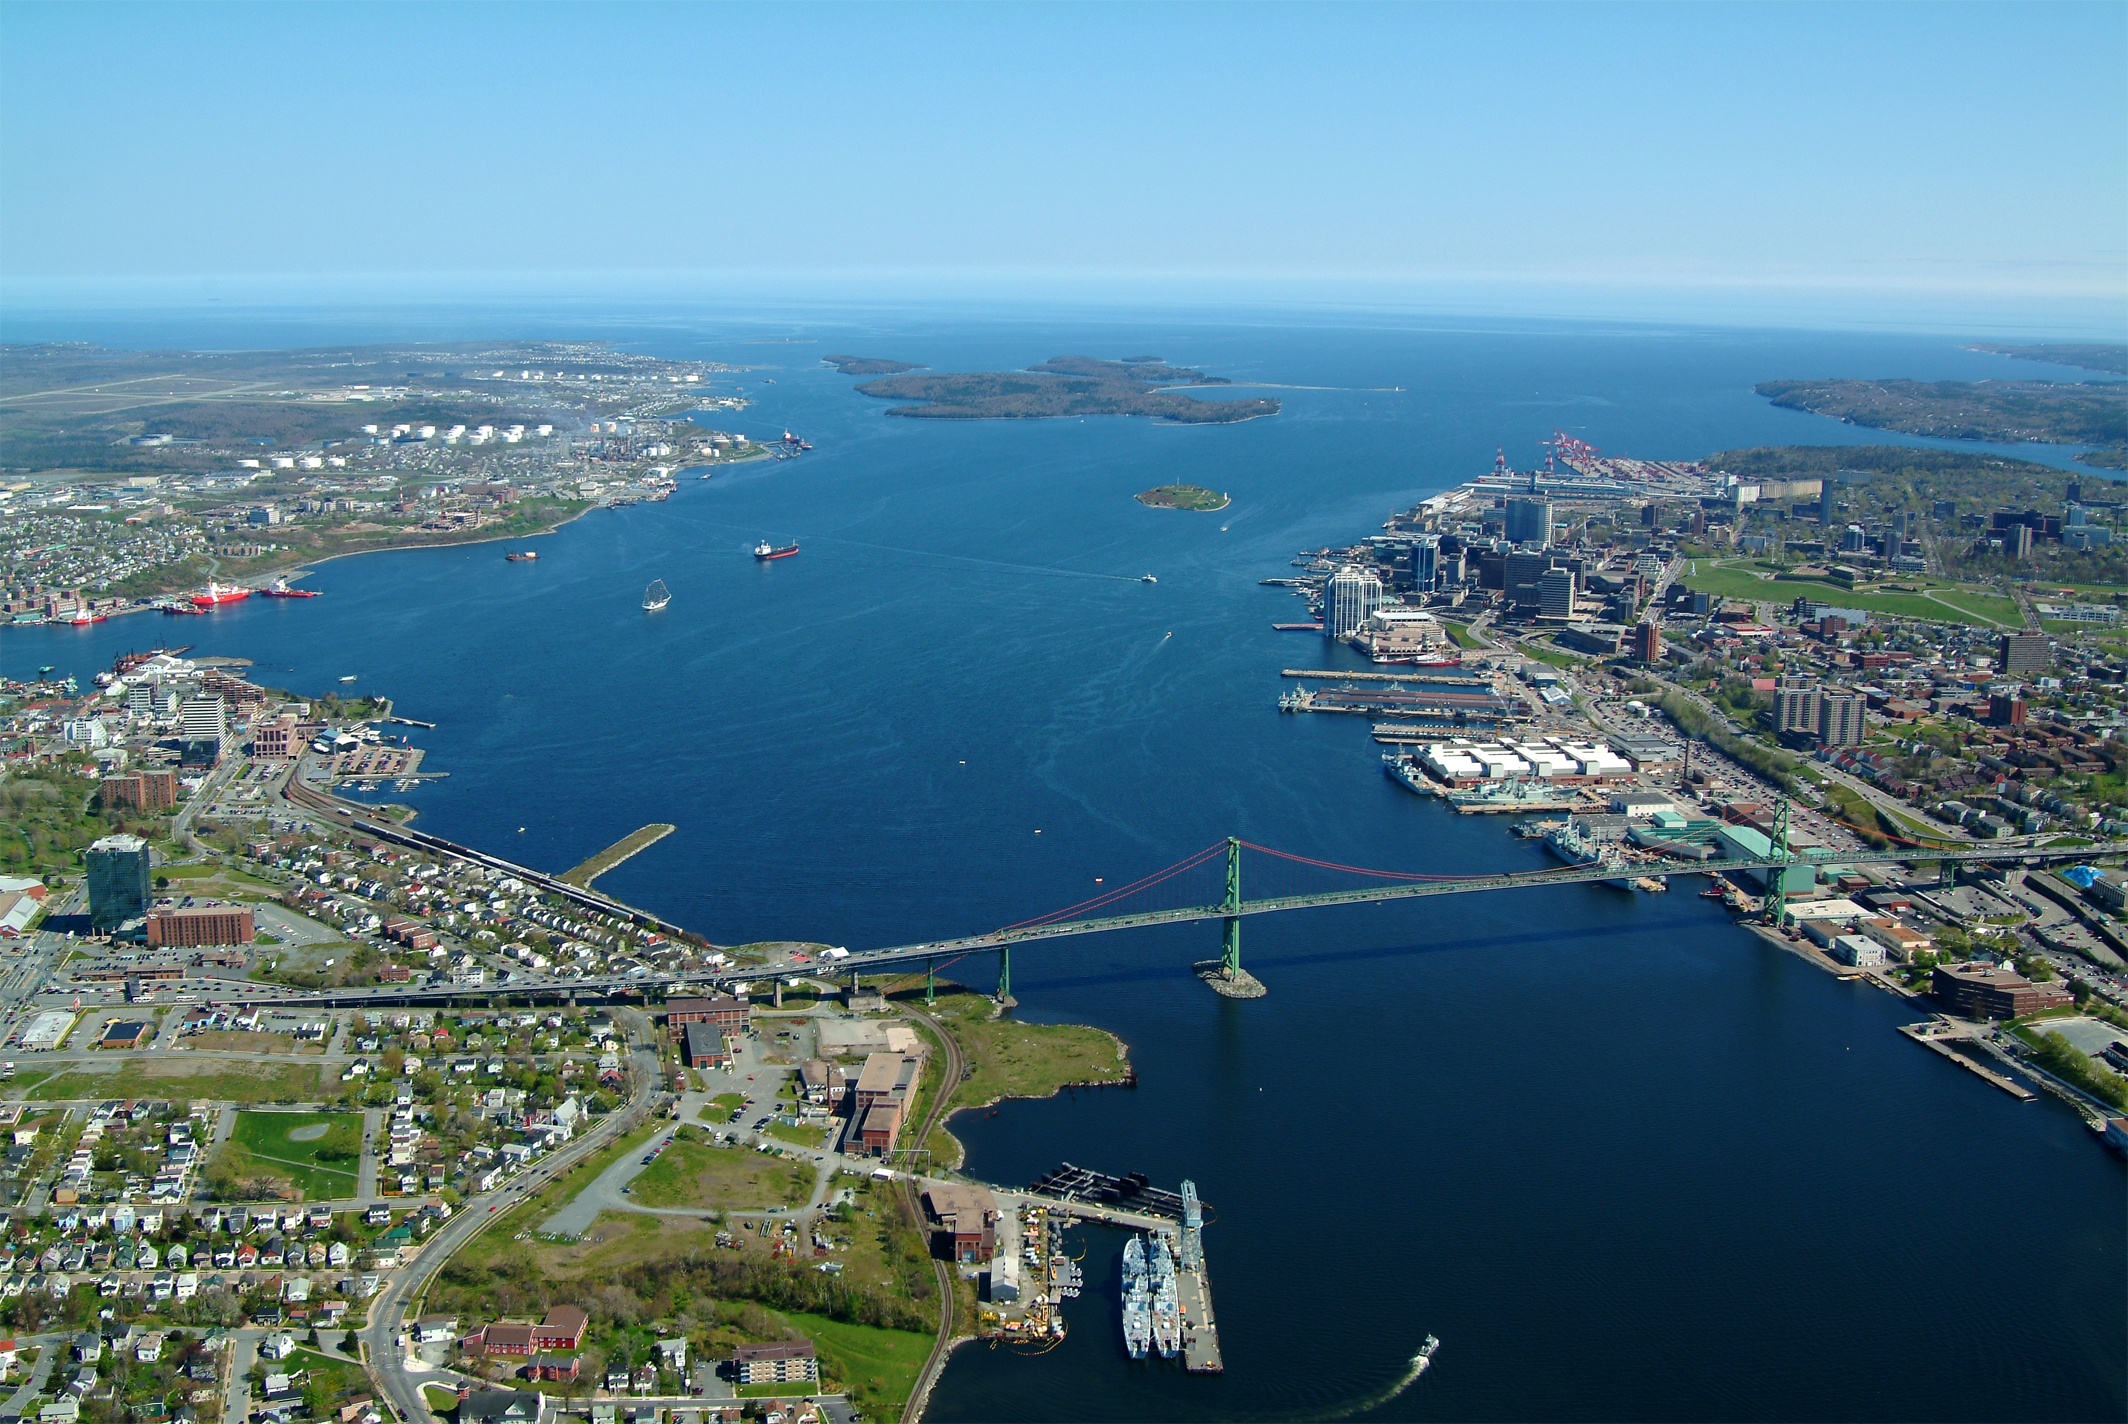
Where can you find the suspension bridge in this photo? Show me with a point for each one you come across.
(1207, 886)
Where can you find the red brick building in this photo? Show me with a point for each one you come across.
(719, 1011)
(1981, 991)
(140, 791)
(196, 925)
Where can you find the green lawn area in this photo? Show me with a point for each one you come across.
(1010, 1059)
(340, 1377)
(172, 1075)
(1984, 605)
(1958, 605)
(1460, 635)
(803, 1135)
(1546, 653)
(695, 1172)
(726, 1103)
(528, 1213)
(439, 1399)
(876, 1367)
(316, 1152)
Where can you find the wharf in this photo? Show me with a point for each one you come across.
(1446, 678)
(1940, 1042)
(1200, 1331)
(1084, 1210)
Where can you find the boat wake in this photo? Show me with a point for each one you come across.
(1380, 1397)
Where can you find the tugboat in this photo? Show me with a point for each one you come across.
(765, 551)
(656, 596)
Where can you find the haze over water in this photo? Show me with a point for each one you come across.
(1624, 1158)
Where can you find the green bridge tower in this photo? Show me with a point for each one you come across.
(1225, 974)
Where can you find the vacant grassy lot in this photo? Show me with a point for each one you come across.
(695, 1172)
(317, 1153)
(174, 1076)
(241, 1041)
(877, 1368)
(1010, 1059)
(1951, 603)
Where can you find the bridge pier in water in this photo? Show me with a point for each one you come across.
(1225, 974)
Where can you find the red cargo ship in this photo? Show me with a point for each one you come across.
(214, 595)
(764, 551)
(279, 589)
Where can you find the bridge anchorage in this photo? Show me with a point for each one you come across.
(1225, 974)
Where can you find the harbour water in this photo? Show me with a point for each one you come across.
(1625, 1159)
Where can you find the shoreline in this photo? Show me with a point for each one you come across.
(1128, 1080)
(298, 568)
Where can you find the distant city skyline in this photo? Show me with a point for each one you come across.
(1962, 163)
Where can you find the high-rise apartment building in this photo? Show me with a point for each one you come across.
(1840, 718)
(1351, 597)
(2020, 653)
(119, 883)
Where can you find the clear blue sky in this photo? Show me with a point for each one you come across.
(1967, 153)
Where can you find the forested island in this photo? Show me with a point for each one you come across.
(1191, 497)
(1067, 386)
(867, 365)
(2057, 412)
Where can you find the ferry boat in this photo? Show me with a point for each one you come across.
(279, 588)
(764, 551)
(522, 556)
(214, 595)
(656, 596)
(1137, 1300)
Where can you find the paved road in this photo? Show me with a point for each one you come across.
(384, 1339)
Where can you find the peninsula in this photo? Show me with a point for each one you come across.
(2057, 412)
(1067, 386)
(2088, 356)
(1195, 498)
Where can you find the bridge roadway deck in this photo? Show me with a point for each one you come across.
(862, 960)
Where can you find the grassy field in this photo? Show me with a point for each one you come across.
(803, 1135)
(239, 1041)
(723, 1104)
(877, 1368)
(1010, 1059)
(1460, 635)
(173, 1075)
(438, 1399)
(341, 1378)
(528, 1213)
(317, 1153)
(694, 1172)
(1951, 603)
